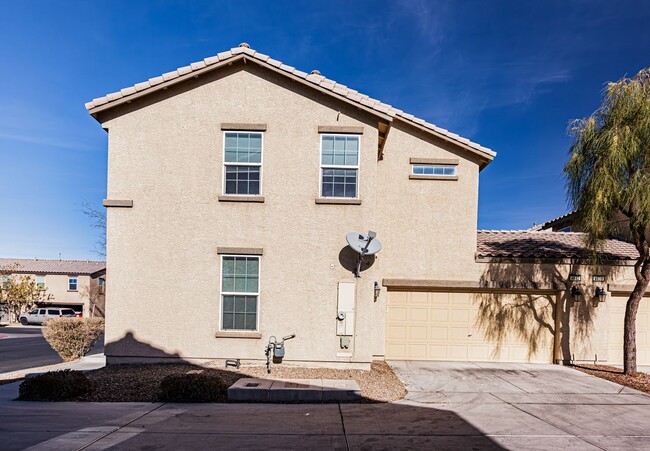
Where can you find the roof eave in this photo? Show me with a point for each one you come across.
(228, 62)
(485, 157)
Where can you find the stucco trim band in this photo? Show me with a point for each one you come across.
(462, 285)
(623, 289)
(451, 178)
(229, 334)
(230, 198)
(241, 250)
(243, 126)
(449, 161)
(337, 201)
(340, 129)
(122, 203)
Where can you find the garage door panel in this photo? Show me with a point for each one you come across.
(418, 314)
(449, 331)
(418, 333)
(616, 306)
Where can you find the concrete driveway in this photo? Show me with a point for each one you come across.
(530, 406)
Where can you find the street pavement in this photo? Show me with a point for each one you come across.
(23, 347)
(449, 406)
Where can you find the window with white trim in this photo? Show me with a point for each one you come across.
(339, 164)
(72, 283)
(242, 163)
(434, 169)
(240, 291)
(40, 282)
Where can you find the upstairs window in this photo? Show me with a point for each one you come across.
(437, 169)
(72, 283)
(339, 166)
(6, 281)
(242, 163)
(40, 282)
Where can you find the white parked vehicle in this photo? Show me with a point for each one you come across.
(40, 315)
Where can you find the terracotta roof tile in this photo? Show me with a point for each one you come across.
(43, 266)
(534, 244)
(330, 85)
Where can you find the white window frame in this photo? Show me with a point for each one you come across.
(237, 293)
(224, 163)
(334, 166)
(44, 282)
(76, 284)
(444, 166)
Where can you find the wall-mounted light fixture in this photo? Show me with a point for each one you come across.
(601, 294)
(575, 277)
(576, 293)
(377, 290)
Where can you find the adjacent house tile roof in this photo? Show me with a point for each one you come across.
(536, 244)
(314, 78)
(42, 266)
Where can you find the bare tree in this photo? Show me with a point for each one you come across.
(98, 221)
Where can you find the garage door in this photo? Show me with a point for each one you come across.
(448, 326)
(616, 322)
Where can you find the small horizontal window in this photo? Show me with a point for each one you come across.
(429, 169)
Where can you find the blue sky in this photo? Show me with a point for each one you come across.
(506, 74)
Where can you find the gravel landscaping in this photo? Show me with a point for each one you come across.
(140, 383)
(639, 381)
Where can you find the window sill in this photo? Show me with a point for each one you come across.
(238, 334)
(338, 201)
(73, 291)
(233, 198)
(433, 177)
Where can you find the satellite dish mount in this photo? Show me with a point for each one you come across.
(363, 245)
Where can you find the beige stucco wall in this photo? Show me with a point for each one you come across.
(166, 155)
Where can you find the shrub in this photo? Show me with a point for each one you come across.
(193, 388)
(72, 338)
(65, 385)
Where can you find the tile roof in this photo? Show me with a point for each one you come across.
(536, 244)
(42, 266)
(315, 78)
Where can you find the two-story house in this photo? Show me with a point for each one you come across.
(76, 284)
(232, 184)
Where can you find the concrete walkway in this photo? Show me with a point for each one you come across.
(449, 406)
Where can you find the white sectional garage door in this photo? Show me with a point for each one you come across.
(446, 326)
(616, 324)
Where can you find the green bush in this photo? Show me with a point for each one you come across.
(65, 385)
(73, 338)
(193, 388)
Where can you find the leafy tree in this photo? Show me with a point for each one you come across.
(18, 291)
(609, 172)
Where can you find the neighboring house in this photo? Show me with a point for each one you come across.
(232, 184)
(620, 226)
(78, 284)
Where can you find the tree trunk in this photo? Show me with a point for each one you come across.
(629, 332)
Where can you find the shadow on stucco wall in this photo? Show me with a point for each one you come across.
(348, 259)
(522, 298)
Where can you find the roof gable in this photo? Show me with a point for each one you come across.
(314, 80)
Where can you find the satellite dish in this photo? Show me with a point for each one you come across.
(363, 245)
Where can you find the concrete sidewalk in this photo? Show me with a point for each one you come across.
(87, 363)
